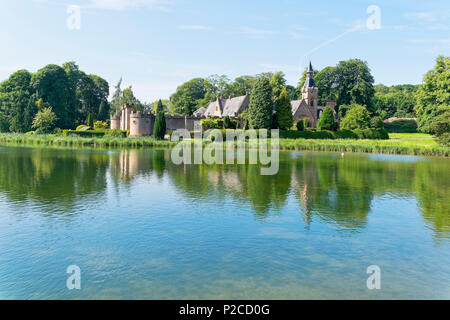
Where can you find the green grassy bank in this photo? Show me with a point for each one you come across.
(405, 144)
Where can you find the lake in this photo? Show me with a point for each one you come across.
(140, 227)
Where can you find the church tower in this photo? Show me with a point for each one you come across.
(310, 92)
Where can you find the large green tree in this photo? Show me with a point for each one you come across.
(16, 102)
(356, 118)
(326, 121)
(261, 105)
(185, 99)
(434, 94)
(284, 110)
(52, 85)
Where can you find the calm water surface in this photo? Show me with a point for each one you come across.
(140, 227)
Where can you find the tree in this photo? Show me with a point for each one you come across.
(52, 85)
(226, 122)
(185, 99)
(300, 125)
(326, 121)
(159, 130)
(278, 82)
(434, 94)
(441, 126)
(242, 85)
(356, 118)
(44, 120)
(15, 102)
(261, 106)
(376, 123)
(284, 111)
(354, 83)
(160, 107)
(116, 101)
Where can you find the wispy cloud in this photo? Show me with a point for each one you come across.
(424, 16)
(194, 27)
(256, 33)
(120, 5)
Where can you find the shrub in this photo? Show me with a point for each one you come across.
(300, 125)
(100, 125)
(356, 118)
(159, 130)
(44, 120)
(90, 120)
(441, 126)
(401, 126)
(326, 121)
(292, 134)
(284, 110)
(373, 134)
(376, 123)
(211, 123)
(114, 133)
(306, 123)
(346, 134)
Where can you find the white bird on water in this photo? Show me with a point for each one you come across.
(342, 154)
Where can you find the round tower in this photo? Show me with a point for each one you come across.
(115, 121)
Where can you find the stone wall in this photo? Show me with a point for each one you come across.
(141, 124)
(115, 122)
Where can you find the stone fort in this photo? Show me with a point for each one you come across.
(141, 123)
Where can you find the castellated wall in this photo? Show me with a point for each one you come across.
(141, 124)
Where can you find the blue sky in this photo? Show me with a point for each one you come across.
(158, 44)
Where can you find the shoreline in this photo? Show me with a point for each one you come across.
(392, 146)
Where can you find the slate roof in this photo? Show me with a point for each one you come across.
(228, 107)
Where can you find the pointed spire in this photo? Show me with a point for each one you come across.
(310, 69)
(309, 82)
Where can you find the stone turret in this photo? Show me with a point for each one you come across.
(115, 122)
(141, 124)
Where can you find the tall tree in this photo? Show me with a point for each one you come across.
(52, 85)
(284, 110)
(326, 121)
(277, 82)
(185, 99)
(261, 106)
(116, 102)
(434, 94)
(15, 101)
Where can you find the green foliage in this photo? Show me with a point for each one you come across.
(284, 110)
(229, 123)
(326, 121)
(212, 123)
(356, 118)
(376, 123)
(159, 129)
(395, 101)
(306, 123)
(441, 126)
(374, 134)
(44, 121)
(185, 99)
(433, 94)
(90, 121)
(114, 133)
(345, 134)
(16, 104)
(300, 125)
(87, 133)
(100, 125)
(261, 106)
(401, 126)
(292, 134)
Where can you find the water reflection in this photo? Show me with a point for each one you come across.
(336, 190)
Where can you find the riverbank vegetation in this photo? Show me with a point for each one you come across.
(404, 144)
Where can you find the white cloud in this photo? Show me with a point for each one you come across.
(127, 4)
(194, 27)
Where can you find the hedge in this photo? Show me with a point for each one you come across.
(401, 126)
(96, 133)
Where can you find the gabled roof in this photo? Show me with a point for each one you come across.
(228, 107)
